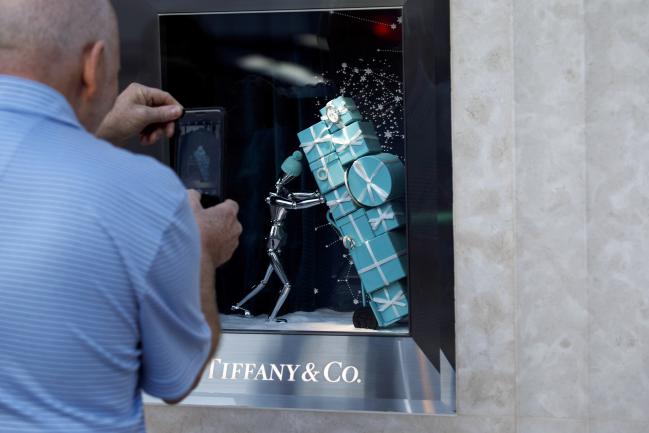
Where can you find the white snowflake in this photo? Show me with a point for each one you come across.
(363, 79)
(397, 99)
(342, 90)
(400, 20)
(368, 71)
(379, 107)
(356, 70)
(316, 291)
(393, 26)
(344, 65)
(356, 302)
(389, 134)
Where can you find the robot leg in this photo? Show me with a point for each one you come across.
(258, 288)
(286, 289)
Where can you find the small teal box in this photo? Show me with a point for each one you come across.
(329, 173)
(316, 141)
(390, 304)
(355, 227)
(381, 261)
(390, 216)
(355, 141)
(340, 202)
(339, 113)
(376, 179)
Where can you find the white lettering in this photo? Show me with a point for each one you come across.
(236, 369)
(354, 371)
(276, 372)
(262, 372)
(212, 365)
(327, 377)
(292, 369)
(250, 368)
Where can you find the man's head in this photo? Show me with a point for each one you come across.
(70, 45)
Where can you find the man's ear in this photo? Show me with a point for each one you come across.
(93, 63)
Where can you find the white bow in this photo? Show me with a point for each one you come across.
(398, 301)
(320, 138)
(371, 186)
(382, 218)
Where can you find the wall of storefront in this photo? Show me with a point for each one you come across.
(551, 155)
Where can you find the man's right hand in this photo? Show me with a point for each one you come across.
(219, 227)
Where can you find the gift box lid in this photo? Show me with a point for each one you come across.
(375, 179)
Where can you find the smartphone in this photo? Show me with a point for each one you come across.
(197, 152)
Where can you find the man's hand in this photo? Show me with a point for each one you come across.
(220, 229)
(140, 110)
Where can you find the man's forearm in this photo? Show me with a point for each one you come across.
(208, 301)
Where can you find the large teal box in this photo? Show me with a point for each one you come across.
(376, 179)
(329, 173)
(355, 141)
(355, 227)
(381, 261)
(339, 113)
(316, 141)
(390, 304)
(390, 216)
(340, 202)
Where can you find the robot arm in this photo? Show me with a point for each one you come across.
(294, 202)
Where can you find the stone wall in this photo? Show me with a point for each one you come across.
(551, 159)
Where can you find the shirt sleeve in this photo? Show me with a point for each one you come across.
(175, 338)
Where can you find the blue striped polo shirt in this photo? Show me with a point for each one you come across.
(99, 274)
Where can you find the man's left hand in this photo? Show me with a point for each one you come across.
(140, 110)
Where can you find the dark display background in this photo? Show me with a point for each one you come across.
(272, 72)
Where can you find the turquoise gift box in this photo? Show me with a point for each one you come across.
(376, 179)
(340, 202)
(355, 227)
(381, 261)
(329, 173)
(390, 304)
(316, 141)
(339, 113)
(390, 216)
(355, 141)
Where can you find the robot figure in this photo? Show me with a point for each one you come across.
(280, 202)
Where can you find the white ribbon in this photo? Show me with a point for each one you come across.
(399, 300)
(323, 137)
(371, 186)
(340, 200)
(323, 173)
(383, 217)
(378, 263)
(357, 229)
(348, 142)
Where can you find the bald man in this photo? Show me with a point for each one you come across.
(106, 262)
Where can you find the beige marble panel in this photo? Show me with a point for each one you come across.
(603, 426)
(215, 420)
(618, 137)
(551, 208)
(483, 137)
(551, 425)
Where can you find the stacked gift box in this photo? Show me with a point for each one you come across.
(364, 189)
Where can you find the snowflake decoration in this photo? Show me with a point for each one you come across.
(316, 291)
(393, 26)
(400, 20)
(380, 98)
(356, 301)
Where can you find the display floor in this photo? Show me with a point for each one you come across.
(315, 321)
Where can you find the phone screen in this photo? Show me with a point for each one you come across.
(197, 150)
